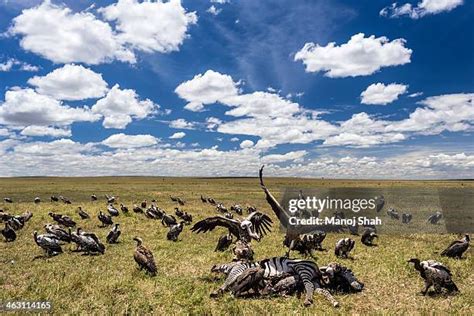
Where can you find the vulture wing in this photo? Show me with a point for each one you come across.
(210, 223)
(144, 258)
(262, 222)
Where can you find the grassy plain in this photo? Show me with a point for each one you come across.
(112, 284)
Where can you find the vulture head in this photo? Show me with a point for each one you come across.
(248, 227)
(138, 240)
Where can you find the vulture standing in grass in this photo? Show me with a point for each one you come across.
(187, 218)
(435, 218)
(37, 200)
(49, 243)
(114, 234)
(211, 201)
(54, 198)
(137, 209)
(88, 243)
(221, 208)
(255, 226)
(112, 210)
(8, 232)
(106, 220)
(123, 208)
(393, 214)
(368, 237)
(59, 232)
(62, 219)
(178, 212)
(174, 231)
(168, 220)
(110, 199)
(181, 202)
(406, 218)
(82, 213)
(150, 213)
(7, 200)
(343, 247)
(224, 242)
(435, 274)
(144, 258)
(93, 197)
(457, 248)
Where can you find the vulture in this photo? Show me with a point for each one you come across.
(83, 214)
(181, 202)
(144, 258)
(251, 209)
(224, 242)
(237, 208)
(285, 285)
(338, 278)
(174, 231)
(434, 274)
(112, 210)
(457, 248)
(123, 208)
(110, 199)
(174, 199)
(168, 220)
(221, 208)
(23, 218)
(65, 200)
(37, 200)
(58, 232)
(187, 218)
(343, 247)
(137, 209)
(150, 213)
(8, 232)
(93, 197)
(54, 198)
(242, 251)
(178, 212)
(5, 216)
(203, 199)
(435, 218)
(406, 218)
(379, 203)
(105, 219)
(250, 281)
(144, 203)
(393, 214)
(62, 219)
(8, 200)
(255, 226)
(305, 244)
(15, 223)
(49, 243)
(211, 201)
(368, 237)
(88, 243)
(114, 234)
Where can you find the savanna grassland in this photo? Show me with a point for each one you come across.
(112, 284)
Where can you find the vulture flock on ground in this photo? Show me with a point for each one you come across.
(244, 276)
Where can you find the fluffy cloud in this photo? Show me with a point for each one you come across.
(182, 124)
(70, 82)
(213, 10)
(150, 26)
(423, 8)
(207, 88)
(289, 156)
(360, 56)
(25, 107)
(34, 130)
(246, 144)
(177, 135)
(129, 141)
(15, 64)
(378, 93)
(62, 36)
(357, 140)
(119, 107)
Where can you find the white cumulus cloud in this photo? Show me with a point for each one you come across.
(129, 141)
(360, 56)
(246, 144)
(379, 93)
(34, 130)
(423, 8)
(177, 135)
(120, 106)
(70, 82)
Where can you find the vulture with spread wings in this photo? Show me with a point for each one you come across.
(255, 226)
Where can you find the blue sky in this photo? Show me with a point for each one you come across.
(366, 89)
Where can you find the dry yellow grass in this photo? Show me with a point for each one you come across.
(112, 284)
